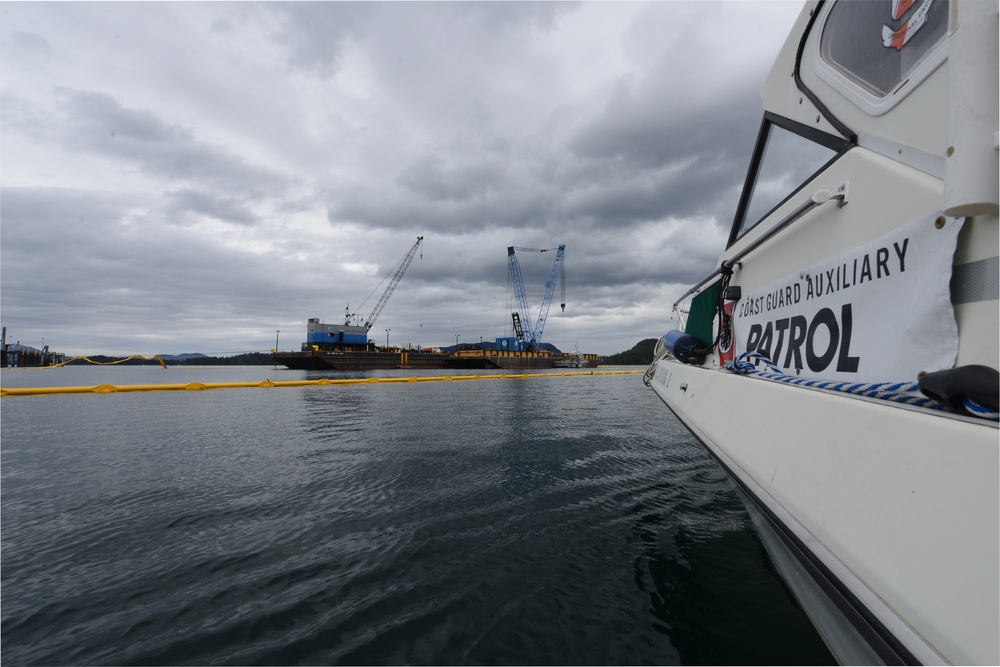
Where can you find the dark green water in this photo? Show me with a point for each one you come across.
(542, 521)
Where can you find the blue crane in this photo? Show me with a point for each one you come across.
(532, 337)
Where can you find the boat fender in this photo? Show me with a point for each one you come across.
(683, 347)
(980, 384)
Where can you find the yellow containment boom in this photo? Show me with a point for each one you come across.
(109, 363)
(201, 386)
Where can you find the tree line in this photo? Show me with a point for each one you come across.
(640, 355)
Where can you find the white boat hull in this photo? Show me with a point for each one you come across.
(894, 511)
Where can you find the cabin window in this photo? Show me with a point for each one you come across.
(787, 156)
(878, 43)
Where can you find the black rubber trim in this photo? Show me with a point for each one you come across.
(839, 146)
(749, 180)
(883, 642)
(845, 131)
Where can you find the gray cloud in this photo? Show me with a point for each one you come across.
(314, 33)
(433, 178)
(204, 203)
(27, 48)
(97, 123)
(242, 167)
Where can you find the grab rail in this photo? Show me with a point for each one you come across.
(818, 198)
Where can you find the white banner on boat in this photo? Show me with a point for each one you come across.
(880, 312)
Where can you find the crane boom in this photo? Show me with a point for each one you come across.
(521, 316)
(550, 290)
(403, 265)
(532, 336)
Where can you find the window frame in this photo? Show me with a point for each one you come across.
(838, 145)
(859, 95)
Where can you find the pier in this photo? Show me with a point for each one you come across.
(16, 355)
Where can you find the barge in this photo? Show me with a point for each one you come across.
(16, 355)
(347, 348)
(518, 359)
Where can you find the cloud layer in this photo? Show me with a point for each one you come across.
(186, 177)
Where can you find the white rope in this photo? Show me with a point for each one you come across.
(659, 352)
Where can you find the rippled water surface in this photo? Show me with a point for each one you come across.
(562, 520)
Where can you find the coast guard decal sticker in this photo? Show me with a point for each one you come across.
(897, 38)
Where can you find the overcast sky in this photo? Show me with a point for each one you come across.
(193, 177)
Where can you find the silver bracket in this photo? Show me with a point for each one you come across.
(842, 193)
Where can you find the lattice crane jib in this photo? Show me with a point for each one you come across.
(397, 276)
(532, 336)
(521, 316)
(550, 290)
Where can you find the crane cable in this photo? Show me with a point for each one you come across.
(421, 288)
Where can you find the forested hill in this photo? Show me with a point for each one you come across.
(640, 355)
